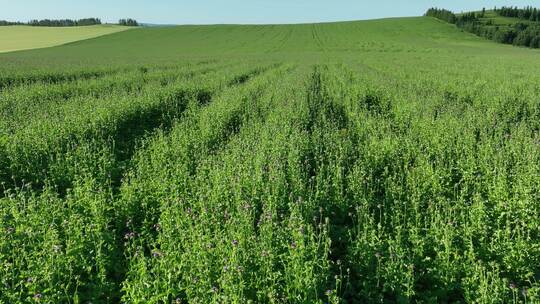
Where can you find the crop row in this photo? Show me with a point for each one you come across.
(278, 184)
(38, 150)
(43, 101)
(93, 267)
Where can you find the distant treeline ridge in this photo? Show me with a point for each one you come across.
(67, 22)
(521, 33)
(528, 13)
(56, 23)
(128, 22)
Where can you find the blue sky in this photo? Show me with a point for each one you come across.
(233, 11)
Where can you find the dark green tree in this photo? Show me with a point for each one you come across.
(128, 22)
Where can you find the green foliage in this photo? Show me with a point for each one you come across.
(65, 22)
(527, 13)
(353, 162)
(55, 23)
(442, 14)
(128, 22)
(8, 23)
(516, 33)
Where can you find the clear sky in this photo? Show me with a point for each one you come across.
(233, 11)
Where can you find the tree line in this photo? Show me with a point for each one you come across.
(6, 23)
(128, 22)
(450, 17)
(528, 13)
(521, 34)
(67, 22)
(55, 22)
(442, 14)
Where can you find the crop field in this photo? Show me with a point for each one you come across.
(15, 38)
(384, 161)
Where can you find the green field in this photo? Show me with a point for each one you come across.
(17, 37)
(383, 161)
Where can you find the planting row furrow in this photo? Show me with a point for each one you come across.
(23, 104)
(14, 78)
(408, 192)
(78, 237)
(198, 135)
(199, 192)
(33, 153)
(253, 222)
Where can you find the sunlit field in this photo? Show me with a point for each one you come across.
(15, 38)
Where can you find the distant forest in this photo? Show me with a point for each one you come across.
(55, 23)
(68, 22)
(528, 13)
(526, 33)
(128, 22)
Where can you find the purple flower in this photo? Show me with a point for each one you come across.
(235, 242)
(157, 253)
(129, 235)
(328, 292)
(512, 286)
(214, 289)
(30, 280)
(293, 245)
(38, 296)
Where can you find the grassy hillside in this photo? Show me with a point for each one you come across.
(383, 161)
(306, 42)
(15, 38)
